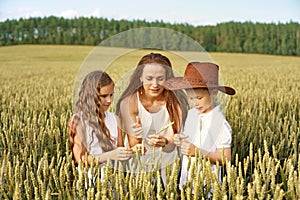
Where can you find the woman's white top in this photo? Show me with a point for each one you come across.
(151, 124)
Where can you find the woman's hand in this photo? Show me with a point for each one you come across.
(137, 130)
(157, 140)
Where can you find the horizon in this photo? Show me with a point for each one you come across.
(191, 12)
(147, 21)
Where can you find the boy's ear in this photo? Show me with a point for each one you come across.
(214, 92)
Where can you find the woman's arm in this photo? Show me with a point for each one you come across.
(120, 136)
(129, 112)
(169, 145)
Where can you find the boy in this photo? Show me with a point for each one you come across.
(205, 127)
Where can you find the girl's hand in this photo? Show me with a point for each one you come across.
(179, 138)
(140, 148)
(157, 140)
(121, 153)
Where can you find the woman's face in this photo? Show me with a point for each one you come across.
(153, 76)
(107, 96)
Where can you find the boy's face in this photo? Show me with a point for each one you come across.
(201, 99)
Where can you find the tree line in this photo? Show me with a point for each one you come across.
(246, 37)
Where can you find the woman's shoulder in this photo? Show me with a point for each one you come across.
(129, 103)
(131, 98)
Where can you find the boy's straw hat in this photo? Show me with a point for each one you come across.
(199, 75)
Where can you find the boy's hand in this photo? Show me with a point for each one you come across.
(187, 148)
(179, 138)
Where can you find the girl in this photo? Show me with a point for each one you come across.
(93, 130)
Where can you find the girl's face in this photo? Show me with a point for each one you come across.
(153, 76)
(201, 99)
(107, 96)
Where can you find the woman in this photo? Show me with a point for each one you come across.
(93, 130)
(155, 107)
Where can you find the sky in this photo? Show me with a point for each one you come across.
(194, 12)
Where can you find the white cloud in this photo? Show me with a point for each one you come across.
(33, 13)
(96, 13)
(69, 14)
(199, 21)
(24, 12)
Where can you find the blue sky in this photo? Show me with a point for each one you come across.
(194, 12)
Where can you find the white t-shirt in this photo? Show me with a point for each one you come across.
(215, 134)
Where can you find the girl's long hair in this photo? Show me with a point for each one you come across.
(174, 99)
(91, 111)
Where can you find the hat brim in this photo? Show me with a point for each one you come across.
(179, 83)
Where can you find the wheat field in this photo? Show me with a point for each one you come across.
(36, 96)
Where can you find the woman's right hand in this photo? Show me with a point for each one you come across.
(137, 130)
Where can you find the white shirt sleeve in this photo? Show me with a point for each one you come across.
(226, 136)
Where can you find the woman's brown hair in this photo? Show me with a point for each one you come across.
(174, 99)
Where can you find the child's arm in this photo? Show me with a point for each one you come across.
(77, 147)
(222, 155)
(189, 149)
(120, 153)
(79, 150)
